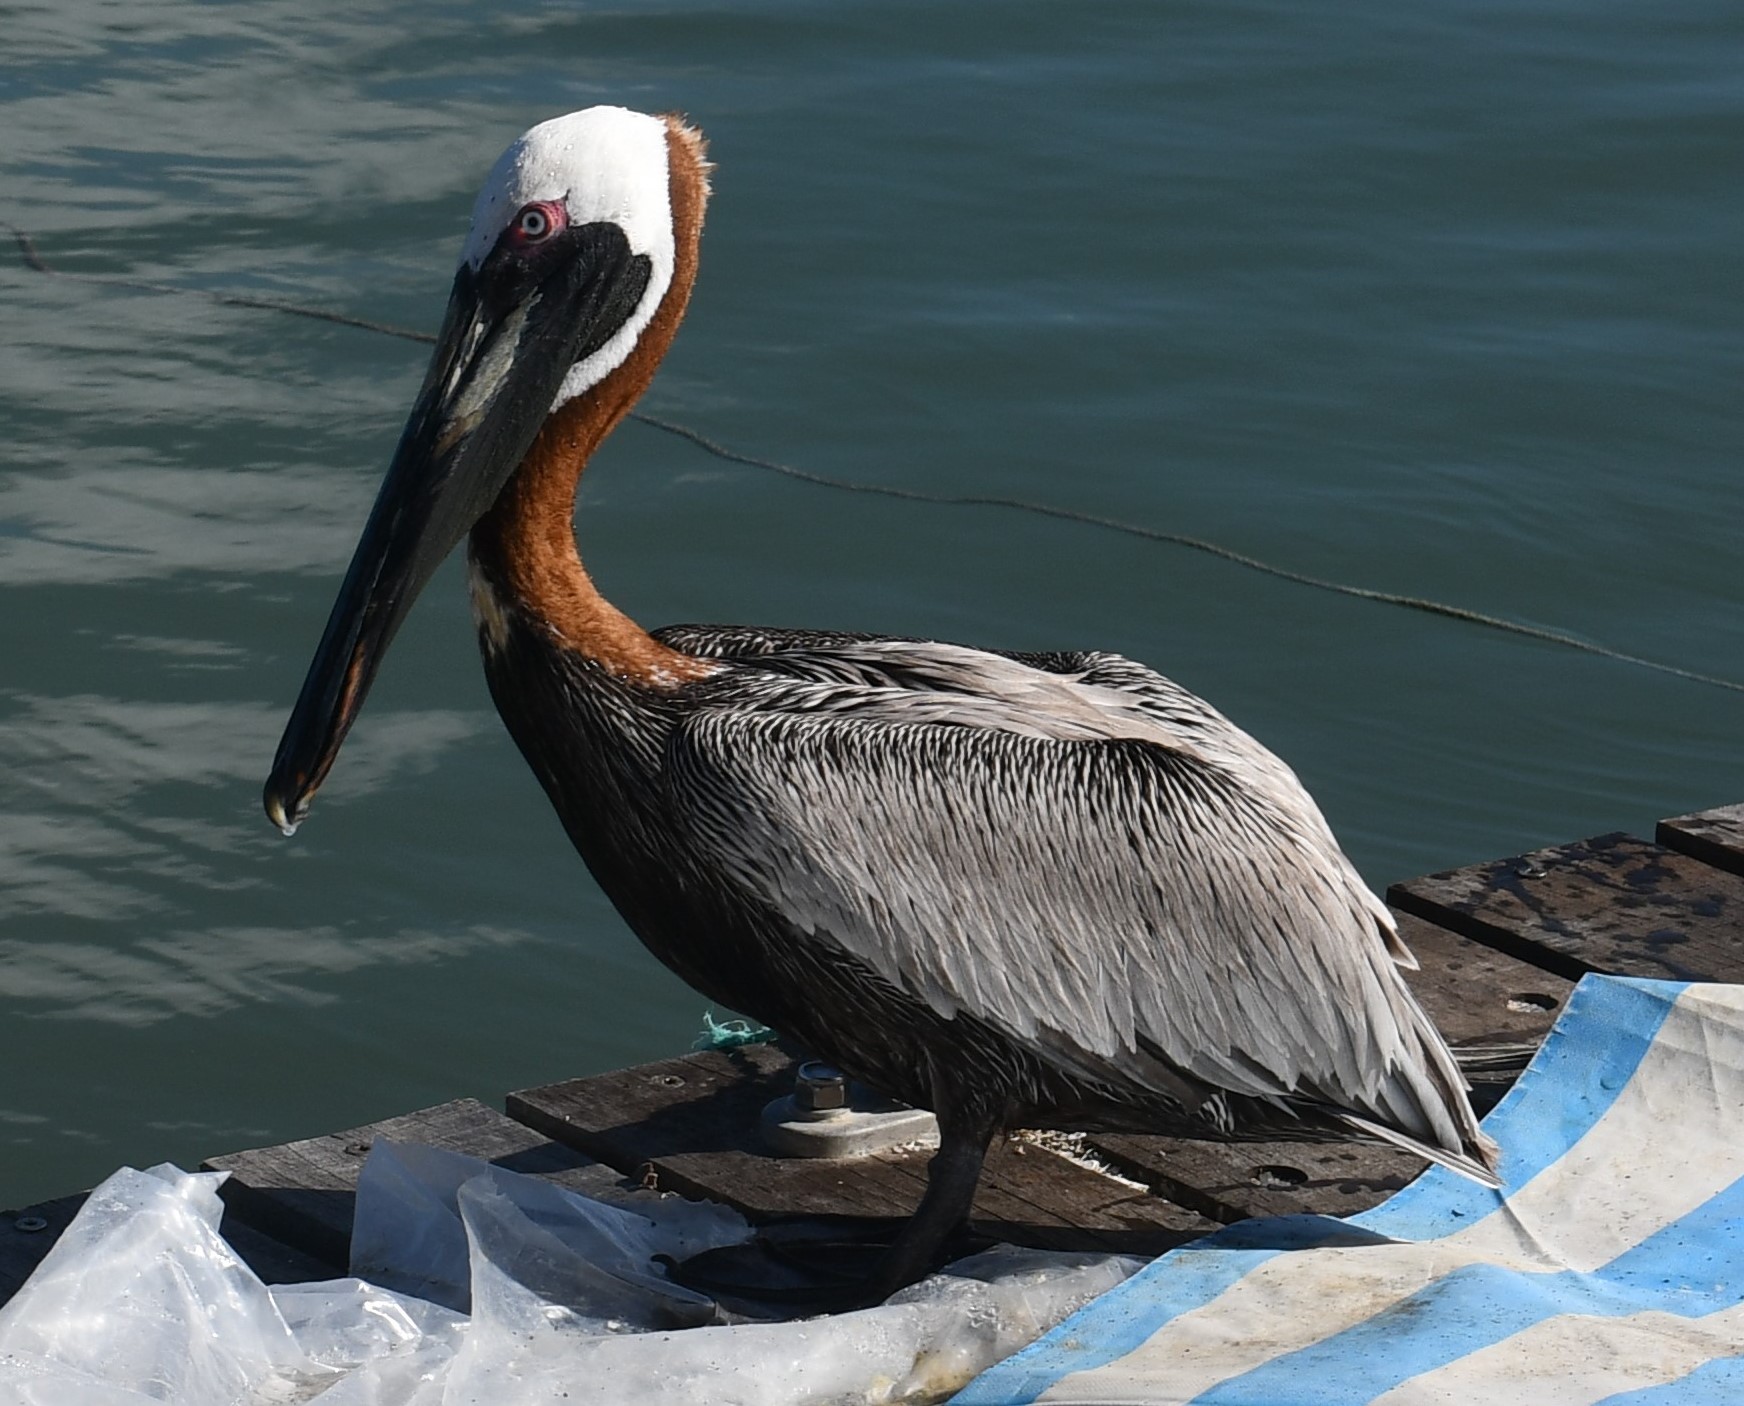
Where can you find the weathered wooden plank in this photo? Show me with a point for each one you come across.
(1713, 836)
(27, 1235)
(1609, 904)
(274, 1261)
(303, 1193)
(1228, 1182)
(691, 1125)
(1030, 1195)
(1476, 996)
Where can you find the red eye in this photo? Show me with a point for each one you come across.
(539, 221)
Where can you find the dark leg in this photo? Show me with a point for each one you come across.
(820, 1275)
(951, 1179)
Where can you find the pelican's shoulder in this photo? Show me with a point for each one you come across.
(737, 642)
(1067, 696)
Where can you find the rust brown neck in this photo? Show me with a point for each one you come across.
(525, 543)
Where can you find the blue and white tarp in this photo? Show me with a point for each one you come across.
(1610, 1268)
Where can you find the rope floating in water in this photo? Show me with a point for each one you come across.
(34, 260)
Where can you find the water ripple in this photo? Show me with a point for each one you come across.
(203, 973)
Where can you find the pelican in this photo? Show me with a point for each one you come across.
(1022, 890)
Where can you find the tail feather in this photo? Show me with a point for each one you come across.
(1493, 1063)
(1478, 1159)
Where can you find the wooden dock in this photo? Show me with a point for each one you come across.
(1500, 945)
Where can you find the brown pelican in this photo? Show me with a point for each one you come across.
(1022, 890)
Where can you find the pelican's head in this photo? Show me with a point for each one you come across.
(584, 233)
(588, 190)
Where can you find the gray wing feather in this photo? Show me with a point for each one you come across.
(1096, 862)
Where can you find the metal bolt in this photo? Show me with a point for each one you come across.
(356, 1149)
(1530, 869)
(30, 1224)
(818, 1087)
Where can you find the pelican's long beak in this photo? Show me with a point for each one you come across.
(507, 343)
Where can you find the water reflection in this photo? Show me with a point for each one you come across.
(98, 752)
(191, 655)
(106, 889)
(121, 522)
(205, 973)
(92, 844)
(117, 524)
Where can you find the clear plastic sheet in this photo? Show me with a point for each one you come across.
(482, 1286)
(141, 1300)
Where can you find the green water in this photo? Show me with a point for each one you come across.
(1438, 298)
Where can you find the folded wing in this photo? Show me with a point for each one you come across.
(1088, 858)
